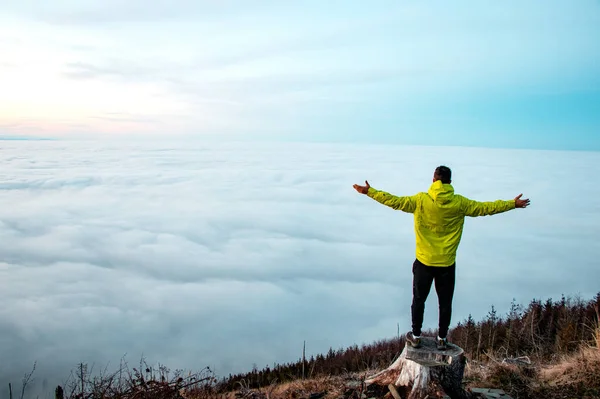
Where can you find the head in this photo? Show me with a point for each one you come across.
(442, 173)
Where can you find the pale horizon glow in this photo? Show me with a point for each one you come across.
(498, 75)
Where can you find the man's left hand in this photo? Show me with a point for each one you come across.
(362, 189)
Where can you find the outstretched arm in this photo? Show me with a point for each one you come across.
(405, 204)
(476, 208)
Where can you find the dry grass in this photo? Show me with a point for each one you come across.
(577, 374)
(570, 376)
(326, 387)
(331, 386)
(580, 368)
(597, 328)
(573, 376)
(517, 381)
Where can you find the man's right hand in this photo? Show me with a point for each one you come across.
(521, 203)
(362, 189)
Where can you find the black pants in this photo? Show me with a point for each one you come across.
(423, 276)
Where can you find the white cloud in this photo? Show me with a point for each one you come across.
(226, 255)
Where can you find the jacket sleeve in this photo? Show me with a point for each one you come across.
(405, 204)
(475, 208)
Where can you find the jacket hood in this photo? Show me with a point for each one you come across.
(441, 193)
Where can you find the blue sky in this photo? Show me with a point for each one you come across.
(491, 74)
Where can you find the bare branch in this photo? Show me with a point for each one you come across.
(26, 380)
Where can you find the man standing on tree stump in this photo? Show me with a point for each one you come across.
(439, 216)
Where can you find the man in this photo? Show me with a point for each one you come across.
(439, 216)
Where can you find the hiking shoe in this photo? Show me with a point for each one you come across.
(413, 341)
(442, 344)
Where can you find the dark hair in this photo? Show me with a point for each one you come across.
(444, 174)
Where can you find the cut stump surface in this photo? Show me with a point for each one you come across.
(429, 355)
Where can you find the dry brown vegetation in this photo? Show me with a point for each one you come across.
(576, 375)
(548, 350)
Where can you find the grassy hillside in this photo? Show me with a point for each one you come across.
(543, 331)
(547, 349)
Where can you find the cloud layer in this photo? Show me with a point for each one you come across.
(227, 255)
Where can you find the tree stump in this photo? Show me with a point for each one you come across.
(426, 372)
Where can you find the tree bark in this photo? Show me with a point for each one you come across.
(427, 372)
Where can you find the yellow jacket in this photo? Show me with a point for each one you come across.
(439, 216)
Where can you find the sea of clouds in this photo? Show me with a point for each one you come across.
(232, 254)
